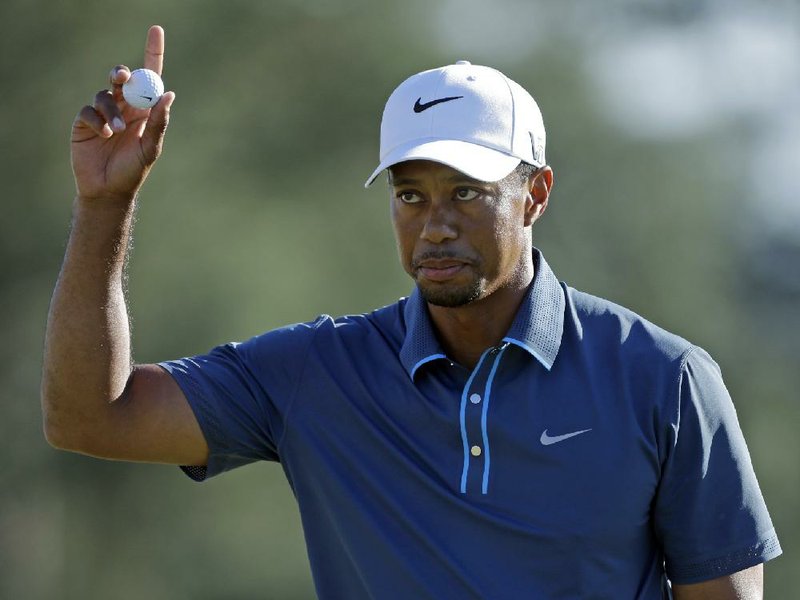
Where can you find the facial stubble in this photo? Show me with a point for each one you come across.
(450, 295)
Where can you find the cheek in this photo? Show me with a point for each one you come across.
(404, 239)
(509, 232)
(508, 240)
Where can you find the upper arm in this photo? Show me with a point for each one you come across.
(709, 514)
(151, 422)
(747, 584)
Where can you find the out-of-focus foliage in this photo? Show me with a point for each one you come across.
(255, 216)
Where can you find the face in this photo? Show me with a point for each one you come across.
(461, 239)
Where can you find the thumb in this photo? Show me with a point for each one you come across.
(156, 127)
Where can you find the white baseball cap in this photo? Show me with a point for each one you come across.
(468, 117)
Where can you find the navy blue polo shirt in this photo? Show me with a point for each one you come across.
(585, 456)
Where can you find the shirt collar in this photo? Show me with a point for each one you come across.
(537, 327)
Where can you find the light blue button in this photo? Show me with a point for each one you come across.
(475, 398)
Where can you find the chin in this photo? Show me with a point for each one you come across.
(450, 296)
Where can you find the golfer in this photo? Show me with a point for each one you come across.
(497, 434)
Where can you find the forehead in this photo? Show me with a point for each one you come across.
(431, 173)
(426, 170)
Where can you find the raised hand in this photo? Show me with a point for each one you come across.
(114, 145)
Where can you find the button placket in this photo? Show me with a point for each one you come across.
(470, 418)
(474, 417)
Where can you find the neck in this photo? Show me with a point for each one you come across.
(465, 332)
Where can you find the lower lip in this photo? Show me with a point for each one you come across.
(440, 274)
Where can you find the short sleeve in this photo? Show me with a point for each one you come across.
(240, 393)
(709, 511)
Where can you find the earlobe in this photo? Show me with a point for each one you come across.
(535, 210)
(530, 209)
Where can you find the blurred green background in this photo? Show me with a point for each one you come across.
(673, 131)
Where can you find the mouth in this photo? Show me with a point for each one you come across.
(440, 269)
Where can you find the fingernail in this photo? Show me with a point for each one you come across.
(118, 124)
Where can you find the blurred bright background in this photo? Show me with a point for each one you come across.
(674, 133)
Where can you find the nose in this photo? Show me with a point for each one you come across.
(439, 224)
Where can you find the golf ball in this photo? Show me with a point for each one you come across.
(143, 89)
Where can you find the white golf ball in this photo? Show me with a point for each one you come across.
(143, 89)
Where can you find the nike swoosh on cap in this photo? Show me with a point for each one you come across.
(420, 106)
(547, 440)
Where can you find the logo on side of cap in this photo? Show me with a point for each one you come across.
(419, 107)
(538, 149)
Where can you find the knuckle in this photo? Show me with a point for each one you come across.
(85, 114)
(102, 96)
(115, 72)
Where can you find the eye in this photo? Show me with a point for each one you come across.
(467, 194)
(409, 197)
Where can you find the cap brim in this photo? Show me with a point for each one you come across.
(477, 162)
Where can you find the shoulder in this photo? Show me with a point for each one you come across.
(383, 326)
(605, 325)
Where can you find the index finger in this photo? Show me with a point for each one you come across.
(154, 49)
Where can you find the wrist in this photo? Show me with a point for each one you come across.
(103, 223)
(108, 200)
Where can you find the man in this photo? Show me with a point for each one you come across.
(495, 435)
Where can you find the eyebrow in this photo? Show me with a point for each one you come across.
(451, 179)
(402, 181)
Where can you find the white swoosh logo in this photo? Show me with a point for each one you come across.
(547, 440)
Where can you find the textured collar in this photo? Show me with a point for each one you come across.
(537, 328)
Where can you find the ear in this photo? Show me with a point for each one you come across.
(539, 186)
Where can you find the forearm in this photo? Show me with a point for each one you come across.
(87, 345)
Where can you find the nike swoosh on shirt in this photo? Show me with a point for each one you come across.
(547, 440)
(420, 106)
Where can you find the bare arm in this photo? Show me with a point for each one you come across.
(93, 399)
(743, 585)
